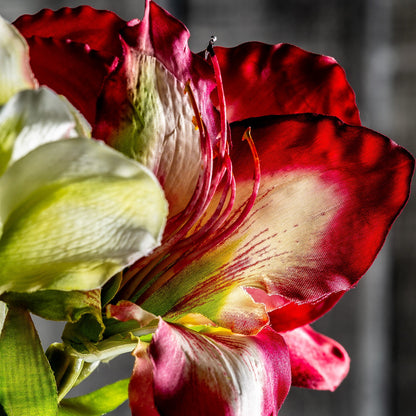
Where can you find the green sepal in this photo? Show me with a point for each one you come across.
(88, 330)
(56, 305)
(96, 403)
(27, 383)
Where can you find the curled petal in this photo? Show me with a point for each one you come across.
(145, 114)
(230, 375)
(318, 362)
(261, 80)
(96, 28)
(285, 315)
(328, 196)
(141, 389)
(125, 311)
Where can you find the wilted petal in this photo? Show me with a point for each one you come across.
(318, 362)
(328, 191)
(197, 374)
(34, 117)
(96, 28)
(15, 72)
(261, 80)
(74, 213)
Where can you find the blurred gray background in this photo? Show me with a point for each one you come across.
(375, 41)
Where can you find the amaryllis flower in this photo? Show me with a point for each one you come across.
(279, 203)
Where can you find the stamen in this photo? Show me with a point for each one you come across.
(248, 205)
(193, 252)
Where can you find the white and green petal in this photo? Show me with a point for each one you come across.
(15, 72)
(75, 212)
(154, 124)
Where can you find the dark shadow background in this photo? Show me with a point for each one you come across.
(375, 41)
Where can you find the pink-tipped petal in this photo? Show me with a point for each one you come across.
(205, 375)
(261, 80)
(99, 29)
(161, 35)
(318, 362)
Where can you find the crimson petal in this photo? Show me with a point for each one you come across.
(362, 183)
(199, 375)
(98, 29)
(261, 80)
(71, 69)
(318, 362)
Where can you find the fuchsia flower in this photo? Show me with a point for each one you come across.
(264, 234)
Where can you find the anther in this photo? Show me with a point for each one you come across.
(210, 50)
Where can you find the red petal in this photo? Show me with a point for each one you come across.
(99, 29)
(318, 362)
(328, 196)
(261, 80)
(71, 69)
(161, 35)
(195, 374)
(357, 180)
